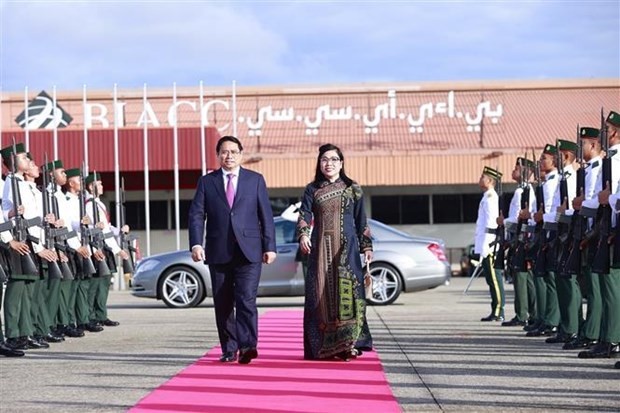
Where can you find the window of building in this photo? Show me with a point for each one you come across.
(400, 209)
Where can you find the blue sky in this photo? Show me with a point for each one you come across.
(99, 43)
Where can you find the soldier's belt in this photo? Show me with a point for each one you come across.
(550, 226)
(587, 212)
(565, 219)
(491, 231)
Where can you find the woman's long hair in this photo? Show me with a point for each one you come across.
(318, 176)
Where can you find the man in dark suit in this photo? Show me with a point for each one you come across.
(240, 236)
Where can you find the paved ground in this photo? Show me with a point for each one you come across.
(436, 354)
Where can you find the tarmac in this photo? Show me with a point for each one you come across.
(436, 354)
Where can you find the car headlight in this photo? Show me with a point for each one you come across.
(147, 265)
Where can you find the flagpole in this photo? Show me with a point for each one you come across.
(117, 184)
(175, 134)
(147, 186)
(85, 128)
(234, 107)
(55, 124)
(26, 119)
(203, 160)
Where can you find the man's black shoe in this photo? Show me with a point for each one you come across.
(543, 331)
(92, 327)
(246, 355)
(561, 338)
(515, 322)
(617, 366)
(579, 343)
(17, 343)
(534, 326)
(70, 331)
(602, 350)
(51, 338)
(35, 343)
(109, 323)
(229, 357)
(492, 317)
(7, 351)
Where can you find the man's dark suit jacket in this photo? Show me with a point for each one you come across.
(249, 222)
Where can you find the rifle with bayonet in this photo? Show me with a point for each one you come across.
(58, 235)
(21, 264)
(561, 243)
(499, 247)
(126, 240)
(98, 239)
(571, 259)
(86, 233)
(518, 261)
(600, 262)
(538, 237)
(53, 269)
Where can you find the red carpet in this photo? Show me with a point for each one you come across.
(279, 380)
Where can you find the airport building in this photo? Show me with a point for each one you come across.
(417, 149)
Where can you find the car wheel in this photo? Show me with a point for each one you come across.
(181, 287)
(386, 284)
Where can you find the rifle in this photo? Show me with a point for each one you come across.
(126, 240)
(59, 235)
(600, 262)
(563, 233)
(52, 266)
(571, 260)
(538, 239)
(500, 235)
(518, 262)
(98, 236)
(21, 264)
(86, 233)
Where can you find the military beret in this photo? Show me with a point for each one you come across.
(525, 162)
(72, 172)
(613, 118)
(492, 173)
(589, 133)
(92, 177)
(550, 149)
(7, 151)
(565, 145)
(57, 164)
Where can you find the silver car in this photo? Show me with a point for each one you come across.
(401, 263)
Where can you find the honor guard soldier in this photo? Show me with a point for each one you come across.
(522, 206)
(99, 290)
(608, 273)
(587, 204)
(567, 302)
(82, 257)
(544, 279)
(485, 242)
(69, 245)
(26, 217)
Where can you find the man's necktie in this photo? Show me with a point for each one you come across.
(230, 190)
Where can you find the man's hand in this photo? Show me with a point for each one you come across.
(563, 207)
(123, 254)
(84, 251)
(538, 216)
(198, 254)
(21, 247)
(85, 220)
(269, 257)
(500, 219)
(99, 255)
(368, 256)
(125, 229)
(603, 196)
(525, 213)
(578, 200)
(63, 257)
(48, 255)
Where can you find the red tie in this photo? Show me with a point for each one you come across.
(230, 190)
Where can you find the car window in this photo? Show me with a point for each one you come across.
(285, 232)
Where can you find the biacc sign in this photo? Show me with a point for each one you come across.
(43, 114)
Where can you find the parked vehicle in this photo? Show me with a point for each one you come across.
(402, 263)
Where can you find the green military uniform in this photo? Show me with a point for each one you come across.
(606, 320)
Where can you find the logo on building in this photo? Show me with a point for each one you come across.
(43, 114)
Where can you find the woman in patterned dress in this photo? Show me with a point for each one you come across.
(333, 230)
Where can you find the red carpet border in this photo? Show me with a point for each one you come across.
(279, 380)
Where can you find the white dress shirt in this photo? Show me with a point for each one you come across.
(488, 211)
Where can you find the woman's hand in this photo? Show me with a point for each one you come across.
(304, 244)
